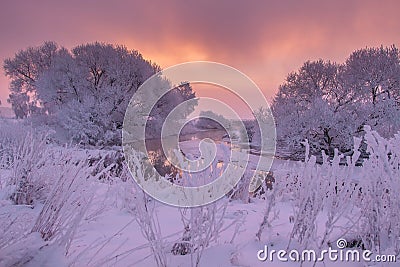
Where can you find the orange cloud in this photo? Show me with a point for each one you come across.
(264, 39)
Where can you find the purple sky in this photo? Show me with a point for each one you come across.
(264, 39)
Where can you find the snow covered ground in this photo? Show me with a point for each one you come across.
(91, 217)
(109, 236)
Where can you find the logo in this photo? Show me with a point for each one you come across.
(139, 112)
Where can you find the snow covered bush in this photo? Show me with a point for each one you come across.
(379, 203)
(332, 200)
(203, 225)
(69, 199)
(270, 199)
(321, 196)
(241, 190)
(12, 133)
(149, 223)
(29, 155)
(143, 208)
(309, 194)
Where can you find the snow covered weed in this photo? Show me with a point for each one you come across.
(66, 205)
(332, 201)
(203, 225)
(24, 154)
(379, 202)
(11, 132)
(143, 208)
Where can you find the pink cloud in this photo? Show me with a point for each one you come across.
(266, 40)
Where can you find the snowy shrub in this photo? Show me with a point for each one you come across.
(67, 202)
(241, 190)
(251, 127)
(149, 223)
(11, 134)
(203, 225)
(109, 165)
(341, 192)
(143, 208)
(270, 197)
(309, 202)
(252, 185)
(319, 192)
(379, 203)
(29, 155)
(332, 200)
(266, 181)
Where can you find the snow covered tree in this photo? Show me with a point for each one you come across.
(24, 70)
(373, 74)
(86, 90)
(89, 89)
(328, 103)
(211, 120)
(309, 106)
(165, 105)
